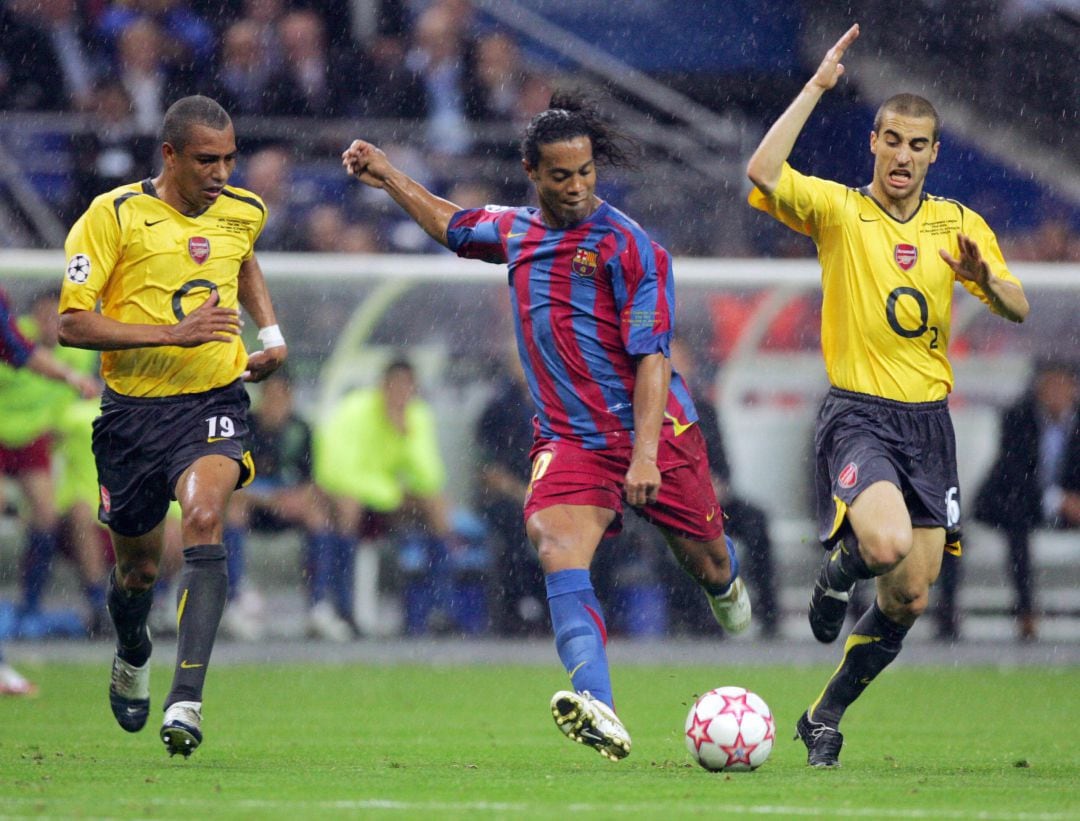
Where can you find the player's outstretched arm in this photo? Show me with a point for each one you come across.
(207, 323)
(1006, 298)
(370, 165)
(768, 160)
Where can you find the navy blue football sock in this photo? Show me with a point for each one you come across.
(200, 601)
(873, 644)
(320, 559)
(233, 537)
(845, 567)
(37, 561)
(342, 568)
(129, 612)
(580, 632)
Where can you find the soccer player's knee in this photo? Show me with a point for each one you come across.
(885, 548)
(138, 576)
(906, 602)
(203, 521)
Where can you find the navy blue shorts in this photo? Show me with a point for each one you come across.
(143, 444)
(864, 439)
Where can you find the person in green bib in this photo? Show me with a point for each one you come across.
(31, 406)
(377, 452)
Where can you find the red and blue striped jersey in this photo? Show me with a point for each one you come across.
(588, 301)
(15, 348)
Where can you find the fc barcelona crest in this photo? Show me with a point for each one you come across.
(199, 249)
(905, 255)
(584, 263)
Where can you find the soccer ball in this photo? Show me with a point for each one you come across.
(730, 728)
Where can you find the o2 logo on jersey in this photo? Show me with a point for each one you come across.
(896, 304)
(199, 249)
(185, 289)
(905, 255)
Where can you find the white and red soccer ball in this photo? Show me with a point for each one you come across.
(730, 728)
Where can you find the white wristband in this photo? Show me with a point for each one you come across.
(271, 337)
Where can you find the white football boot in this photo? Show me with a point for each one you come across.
(589, 721)
(732, 610)
(182, 728)
(129, 694)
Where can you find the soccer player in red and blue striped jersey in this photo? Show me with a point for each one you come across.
(594, 299)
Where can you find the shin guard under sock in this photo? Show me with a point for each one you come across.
(200, 602)
(873, 644)
(580, 632)
(129, 612)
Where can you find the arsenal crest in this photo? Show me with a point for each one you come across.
(199, 249)
(848, 476)
(106, 499)
(905, 255)
(584, 262)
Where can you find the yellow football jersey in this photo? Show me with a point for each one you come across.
(149, 264)
(886, 292)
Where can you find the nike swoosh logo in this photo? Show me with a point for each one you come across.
(185, 665)
(872, 219)
(578, 668)
(680, 428)
(711, 516)
(217, 439)
(518, 234)
(148, 224)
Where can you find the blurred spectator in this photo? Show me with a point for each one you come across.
(504, 437)
(443, 57)
(500, 74)
(1052, 240)
(744, 521)
(269, 173)
(359, 238)
(281, 497)
(377, 453)
(141, 67)
(244, 82)
(46, 63)
(391, 88)
(323, 229)
(31, 406)
(316, 81)
(1029, 485)
(471, 194)
(186, 42)
(110, 151)
(82, 538)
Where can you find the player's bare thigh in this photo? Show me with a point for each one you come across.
(566, 536)
(904, 592)
(882, 525)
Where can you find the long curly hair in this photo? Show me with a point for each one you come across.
(571, 114)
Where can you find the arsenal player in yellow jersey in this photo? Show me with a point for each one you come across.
(170, 260)
(887, 492)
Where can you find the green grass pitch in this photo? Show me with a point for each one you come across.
(447, 742)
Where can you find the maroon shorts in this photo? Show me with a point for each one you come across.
(35, 456)
(566, 474)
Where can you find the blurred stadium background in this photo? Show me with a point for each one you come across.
(446, 87)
